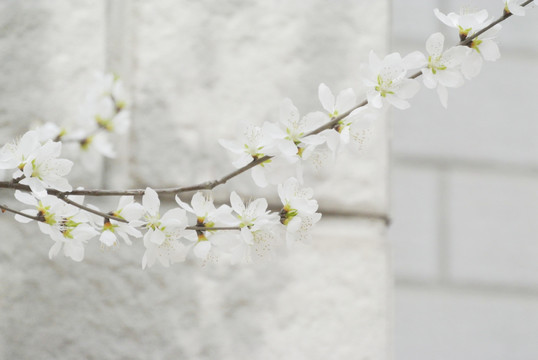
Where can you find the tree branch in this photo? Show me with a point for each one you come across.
(5, 208)
(215, 228)
(504, 16)
(64, 198)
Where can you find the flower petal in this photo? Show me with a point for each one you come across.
(157, 237)
(434, 44)
(151, 202)
(201, 249)
(237, 203)
(490, 50)
(107, 238)
(346, 100)
(326, 98)
(443, 95)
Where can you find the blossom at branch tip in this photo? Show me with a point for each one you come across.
(161, 239)
(208, 216)
(482, 48)
(514, 7)
(386, 79)
(467, 22)
(257, 239)
(442, 68)
(299, 212)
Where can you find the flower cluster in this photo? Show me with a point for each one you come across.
(103, 116)
(276, 152)
(242, 233)
(36, 164)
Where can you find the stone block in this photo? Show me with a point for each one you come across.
(415, 215)
(445, 325)
(489, 119)
(492, 228)
(413, 21)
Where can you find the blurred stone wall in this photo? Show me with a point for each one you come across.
(465, 200)
(195, 71)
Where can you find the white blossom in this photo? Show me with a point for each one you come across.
(339, 135)
(162, 233)
(514, 7)
(36, 165)
(272, 171)
(43, 169)
(299, 211)
(208, 216)
(110, 118)
(255, 145)
(15, 155)
(71, 236)
(103, 115)
(386, 80)
(64, 223)
(290, 136)
(482, 48)
(362, 126)
(169, 252)
(442, 68)
(107, 86)
(50, 131)
(257, 224)
(345, 100)
(349, 128)
(128, 210)
(467, 22)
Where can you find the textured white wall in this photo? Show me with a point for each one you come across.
(465, 201)
(195, 70)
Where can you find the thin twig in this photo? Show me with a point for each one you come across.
(64, 198)
(335, 120)
(505, 16)
(5, 208)
(36, 218)
(214, 228)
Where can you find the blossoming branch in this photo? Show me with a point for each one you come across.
(276, 153)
